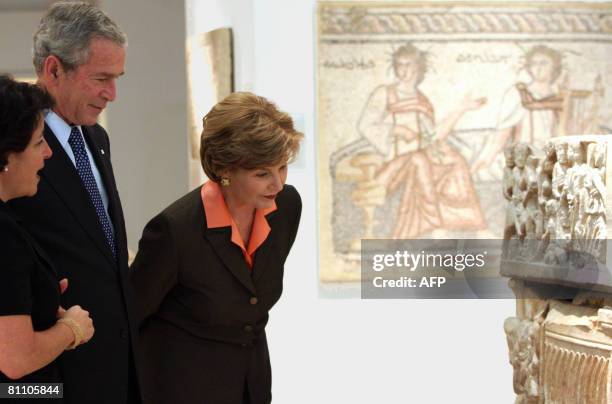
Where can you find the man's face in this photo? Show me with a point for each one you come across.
(83, 93)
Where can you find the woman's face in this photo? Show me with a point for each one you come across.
(257, 187)
(406, 68)
(22, 178)
(541, 68)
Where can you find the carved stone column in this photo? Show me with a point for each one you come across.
(524, 333)
(577, 342)
(555, 252)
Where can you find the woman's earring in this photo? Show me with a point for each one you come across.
(225, 182)
(5, 169)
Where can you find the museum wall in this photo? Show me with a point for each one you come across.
(16, 29)
(148, 121)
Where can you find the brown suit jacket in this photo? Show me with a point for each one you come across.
(202, 313)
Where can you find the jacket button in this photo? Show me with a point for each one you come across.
(253, 300)
(248, 328)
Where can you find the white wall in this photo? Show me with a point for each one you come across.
(16, 30)
(147, 123)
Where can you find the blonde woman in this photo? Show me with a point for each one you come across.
(210, 266)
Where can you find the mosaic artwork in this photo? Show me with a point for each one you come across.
(416, 104)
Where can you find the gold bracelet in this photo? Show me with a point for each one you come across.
(76, 330)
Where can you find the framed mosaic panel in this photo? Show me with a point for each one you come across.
(416, 102)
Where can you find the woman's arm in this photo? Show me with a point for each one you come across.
(23, 350)
(155, 269)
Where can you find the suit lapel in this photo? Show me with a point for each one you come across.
(262, 255)
(230, 255)
(61, 174)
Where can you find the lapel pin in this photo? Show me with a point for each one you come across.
(102, 151)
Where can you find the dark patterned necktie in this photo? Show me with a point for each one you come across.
(84, 169)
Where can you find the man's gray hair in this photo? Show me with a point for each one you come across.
(66, 31)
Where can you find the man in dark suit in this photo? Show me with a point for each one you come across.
(79, 53)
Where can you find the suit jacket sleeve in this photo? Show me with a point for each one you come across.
(155, 269)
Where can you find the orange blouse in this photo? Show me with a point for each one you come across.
(218, 215)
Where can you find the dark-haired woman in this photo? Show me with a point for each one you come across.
(34, 328)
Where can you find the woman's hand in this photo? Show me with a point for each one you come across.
(81, 317)
(78, 315)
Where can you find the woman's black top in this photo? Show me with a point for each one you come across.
(29, 285)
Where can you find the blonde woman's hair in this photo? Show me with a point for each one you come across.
(246, 131)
